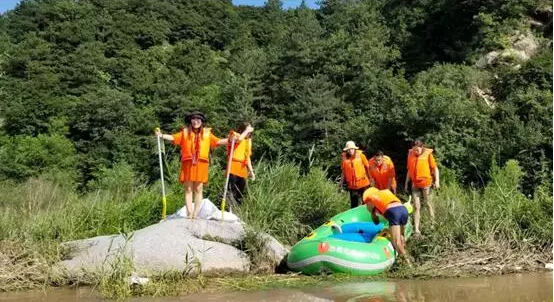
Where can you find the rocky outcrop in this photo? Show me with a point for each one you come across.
(190, 246)
(523, 47)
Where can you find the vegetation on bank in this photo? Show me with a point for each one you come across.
(498, 222)
(84, 83)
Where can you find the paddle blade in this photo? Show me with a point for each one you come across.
(164, 207)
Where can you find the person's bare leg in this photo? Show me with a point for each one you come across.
(197, 188)
(428, 199)
(188, 198)
(417, 211)
(398, 243)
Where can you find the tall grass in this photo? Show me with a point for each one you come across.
(39, 214)
(287, 204)
(497, 219)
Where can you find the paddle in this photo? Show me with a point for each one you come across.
(228, 172)
(164, 203)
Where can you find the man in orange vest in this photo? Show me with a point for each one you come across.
(355, 172)
(423, 173)
(381, 171)
(241, 165)
(389, 206)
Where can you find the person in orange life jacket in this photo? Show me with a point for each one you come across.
(382, 173)
(422, 173)
(389, 206)
(241, 165)
(355, 172)
(195, 142)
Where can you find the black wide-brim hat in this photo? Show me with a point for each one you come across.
(196, 114)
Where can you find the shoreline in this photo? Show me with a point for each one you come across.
(467, 262)
(172, 285)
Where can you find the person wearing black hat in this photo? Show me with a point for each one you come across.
(195, 142)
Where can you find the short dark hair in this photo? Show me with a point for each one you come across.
(379, 153)
(418, 143)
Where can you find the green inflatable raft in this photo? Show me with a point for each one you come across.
(349, 243)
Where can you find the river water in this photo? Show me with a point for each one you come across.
(509, 288)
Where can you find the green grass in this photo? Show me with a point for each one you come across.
(287, 204)
(37, 215)
(498, 214)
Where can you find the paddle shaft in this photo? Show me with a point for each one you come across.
(227, 176)
(164, 203)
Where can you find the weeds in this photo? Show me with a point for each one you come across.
(493, 230)
(287, 204)
(496, 229)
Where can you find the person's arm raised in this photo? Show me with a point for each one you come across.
(245, 133)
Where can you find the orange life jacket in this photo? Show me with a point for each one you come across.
(419, 168)
(382, 174)
(354, 171)
(380, 199)
(387, 164)
(242, 149)
(189, 145)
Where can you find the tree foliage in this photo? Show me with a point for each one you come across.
(83, 83)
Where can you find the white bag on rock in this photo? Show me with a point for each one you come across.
(228, 217)
(208, 211)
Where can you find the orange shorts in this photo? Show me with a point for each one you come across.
(195, 173)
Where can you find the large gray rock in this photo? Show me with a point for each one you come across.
(233, 233)
(180, 244)
(213, 230)
(275, 250)
(166, 246)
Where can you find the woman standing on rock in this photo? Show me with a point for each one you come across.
(195, 142)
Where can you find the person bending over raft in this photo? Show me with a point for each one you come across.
(390, 207)
(355, 171)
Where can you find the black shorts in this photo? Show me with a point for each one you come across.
(397, 215)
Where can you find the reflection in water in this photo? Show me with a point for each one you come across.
(512, 288)
(52, 295)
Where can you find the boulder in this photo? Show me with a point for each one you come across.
(192, 246)
(166, 246)
(523, 47)
(527, 44)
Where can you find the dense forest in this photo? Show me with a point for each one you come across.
(84, 83)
